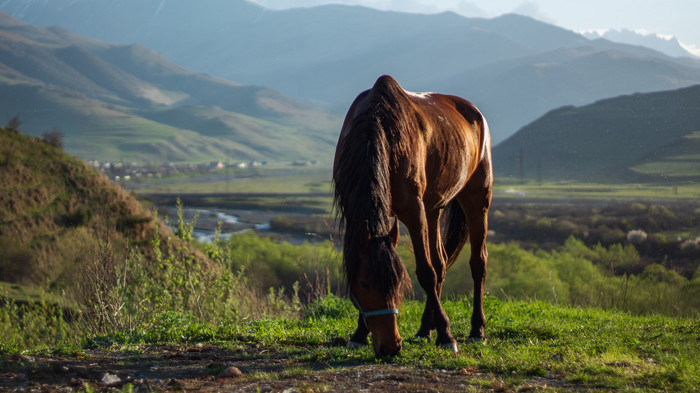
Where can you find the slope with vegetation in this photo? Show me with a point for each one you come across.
(127, 102)
(649, 137)
(66, 229)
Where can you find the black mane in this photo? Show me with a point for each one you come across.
(362, 196)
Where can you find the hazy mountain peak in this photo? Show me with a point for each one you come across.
(664, 43)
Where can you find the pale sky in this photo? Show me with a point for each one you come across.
(678, 18)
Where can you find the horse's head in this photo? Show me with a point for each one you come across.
(377, 288)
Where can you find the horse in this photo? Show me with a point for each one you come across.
(424, 159)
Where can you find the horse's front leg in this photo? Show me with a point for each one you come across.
(438, 259)
(430, 274)
(359, 338)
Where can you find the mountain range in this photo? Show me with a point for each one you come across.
(633, 138)
(127, 102)
(665, 44)
(514, 68)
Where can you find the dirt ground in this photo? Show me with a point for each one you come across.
(212, 369)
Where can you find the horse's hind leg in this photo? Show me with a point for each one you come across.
(475, 200)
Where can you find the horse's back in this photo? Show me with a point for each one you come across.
(451, 128)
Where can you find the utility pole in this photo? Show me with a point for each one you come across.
(521, 163)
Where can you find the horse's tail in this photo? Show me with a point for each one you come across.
(455, 232)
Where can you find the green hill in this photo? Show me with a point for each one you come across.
(127, 102)
(58, 215)
(640, 137)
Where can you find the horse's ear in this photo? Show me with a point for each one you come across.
(364, 235)
(394, 233)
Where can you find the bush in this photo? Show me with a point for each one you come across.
(53, 138)
(17, 264)
(581, 276)
(266, 263)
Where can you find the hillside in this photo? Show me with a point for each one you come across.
(115, 102)
(512, 67)
(58, 216)
(640, 137)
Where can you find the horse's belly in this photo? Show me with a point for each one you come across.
(444, 182)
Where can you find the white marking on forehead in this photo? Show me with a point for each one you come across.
(422, 95)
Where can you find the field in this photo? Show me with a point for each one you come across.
(282, 180)
(531, 347)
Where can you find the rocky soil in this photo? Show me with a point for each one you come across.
(253, 369)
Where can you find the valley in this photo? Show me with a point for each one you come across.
(166, 213)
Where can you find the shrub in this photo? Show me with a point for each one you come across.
(53, 138)
(14, 123)
(636, 236)
(578, 275)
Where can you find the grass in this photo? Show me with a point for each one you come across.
(680, 159)
(280, 180)
(507, 188)
(220, 182)
(591, 348)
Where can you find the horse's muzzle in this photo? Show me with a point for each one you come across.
(383, 351)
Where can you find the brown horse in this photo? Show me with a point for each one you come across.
(411, 156)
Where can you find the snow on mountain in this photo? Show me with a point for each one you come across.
(667, 44)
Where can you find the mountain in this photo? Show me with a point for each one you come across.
(653, 136)
(127, 102)
(665, 44)
(512, 67)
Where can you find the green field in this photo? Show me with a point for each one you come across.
(531, 347)
(288, 183)
(510, 188)
(316, 180)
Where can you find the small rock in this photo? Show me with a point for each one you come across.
(110, 379)
(82, 371)
(60, 368)
(464, 371)
(174, 384)
(230, 372)
(265, 389)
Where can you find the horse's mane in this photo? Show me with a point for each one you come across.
(361, 186)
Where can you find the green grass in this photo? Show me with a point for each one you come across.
(588, 348)
(280, 179)
(506, 188)
(678, 160)
(312, 182)
(585, 346)
(27, 294)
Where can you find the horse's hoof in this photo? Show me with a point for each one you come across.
(419, 339)
(477, 340)
(450, 346)
(354, 345)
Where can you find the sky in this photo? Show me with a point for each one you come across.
(677, 18)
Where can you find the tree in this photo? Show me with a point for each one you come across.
(14, 124)
(53, 138)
